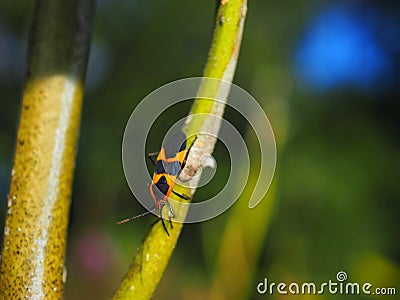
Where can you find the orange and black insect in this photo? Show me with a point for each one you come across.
(170, 162)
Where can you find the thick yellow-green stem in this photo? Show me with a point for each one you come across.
(152, 258)
(32, 261)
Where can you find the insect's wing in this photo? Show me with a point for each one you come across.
(175, 144)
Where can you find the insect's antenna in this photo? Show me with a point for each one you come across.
(138, 216)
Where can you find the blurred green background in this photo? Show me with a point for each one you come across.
(327, 75)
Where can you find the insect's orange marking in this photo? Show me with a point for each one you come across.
(181, 156)
(170, 178)
(161, 155)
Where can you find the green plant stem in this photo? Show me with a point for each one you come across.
(32, 261)
(153, 256)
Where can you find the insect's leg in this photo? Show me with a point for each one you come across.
(181, 195)
(172, 215)
(187, 154)
(151, 155)
(163, 224)
(171, 210)
(162, 221)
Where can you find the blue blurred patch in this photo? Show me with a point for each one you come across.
(341, 48)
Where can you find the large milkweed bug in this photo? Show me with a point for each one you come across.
(170, 162)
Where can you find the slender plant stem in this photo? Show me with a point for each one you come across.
(153, 256)
(32, 261)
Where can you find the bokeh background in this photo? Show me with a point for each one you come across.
(327, 75)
